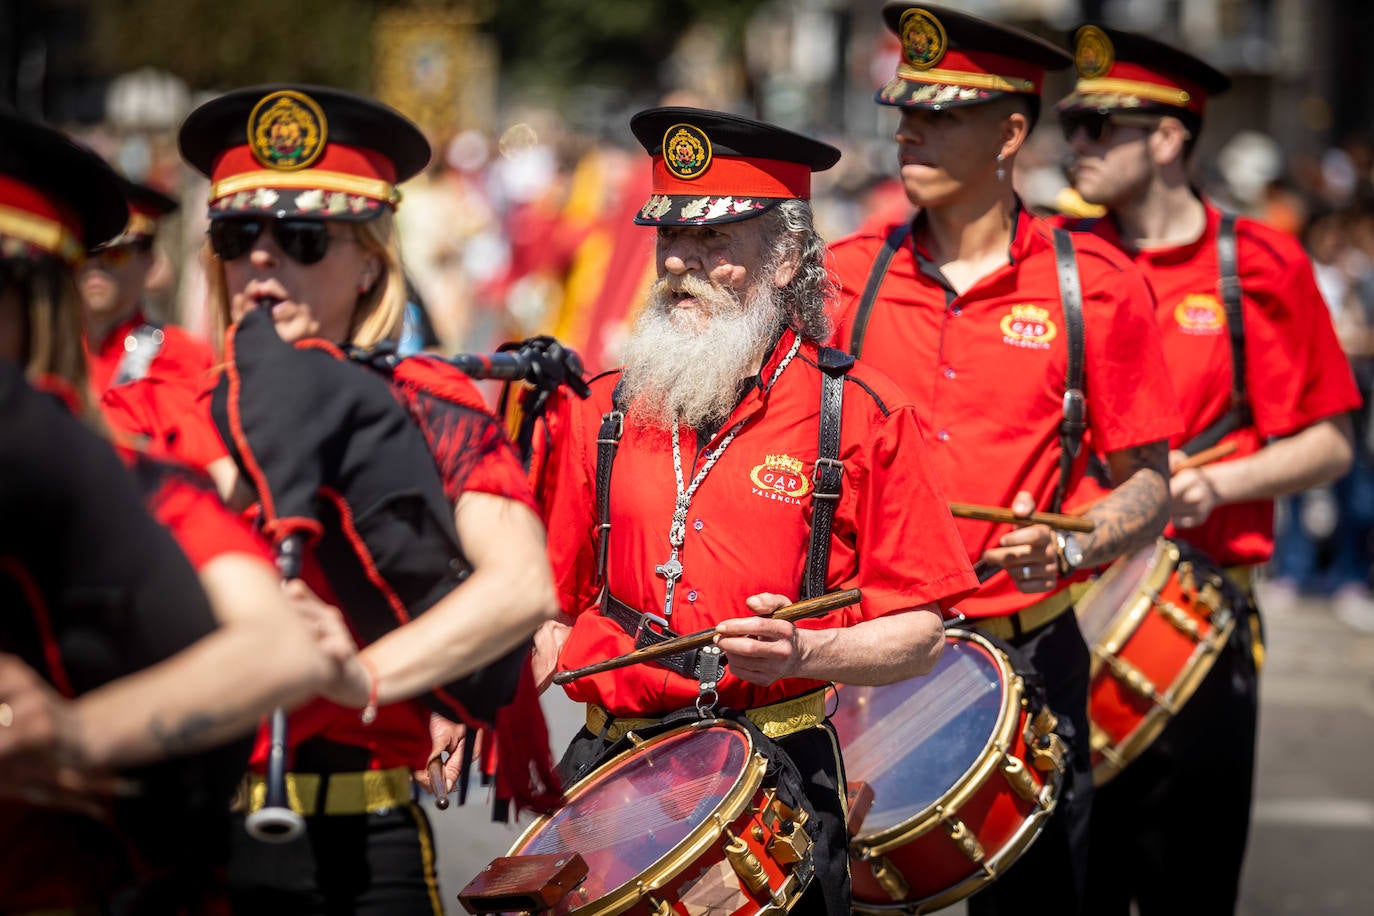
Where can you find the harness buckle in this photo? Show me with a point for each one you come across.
(827, 476)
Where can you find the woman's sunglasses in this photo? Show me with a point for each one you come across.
(118, 255)
(1098, 126)
(305, 241)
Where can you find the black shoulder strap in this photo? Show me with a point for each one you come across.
(1075, 421)
(607, 442)
(891, 245)
(834, 364)
(1238, 415)
(141, 347)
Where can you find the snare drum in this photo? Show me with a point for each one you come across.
(964, 768)
(1155, 621)
(682, 823)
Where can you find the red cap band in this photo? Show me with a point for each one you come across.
(737, 176)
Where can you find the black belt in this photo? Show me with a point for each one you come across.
(650, 630)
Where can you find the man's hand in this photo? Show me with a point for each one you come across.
(1192, 498)
(445, 736)
(1028, 554)
(41, 757)
(548, 643)
(761, 650)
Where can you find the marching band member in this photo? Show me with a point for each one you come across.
(122, 342)
(304, 184)
(119, 652)
(963, 307)
(1264, 371)
(722, 506)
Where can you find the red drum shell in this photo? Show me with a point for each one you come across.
(1155, 623)
(956, 799)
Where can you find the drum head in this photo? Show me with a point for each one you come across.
(639, 806)
(1114, 590)
(913, 740)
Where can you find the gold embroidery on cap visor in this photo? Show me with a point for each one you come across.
(923, 39)
(287, 130)
(1093, 53)
(686, 151)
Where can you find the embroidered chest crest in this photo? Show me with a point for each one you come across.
(1028, 326)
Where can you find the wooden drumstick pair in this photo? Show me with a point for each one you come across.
(1074, 522)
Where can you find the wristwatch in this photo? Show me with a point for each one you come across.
(1070, 552)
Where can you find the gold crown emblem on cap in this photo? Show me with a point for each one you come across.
(1093, 53)
(287, 130)
(923, 38)
(686, 151)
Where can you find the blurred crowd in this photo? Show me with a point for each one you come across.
(530, 232)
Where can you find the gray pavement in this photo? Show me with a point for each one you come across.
(1312, 841)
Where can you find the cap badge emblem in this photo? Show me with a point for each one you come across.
(686, 151)
(923, 39)
(1093, 53)
(287, 130)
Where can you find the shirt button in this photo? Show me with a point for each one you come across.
(698, 524)
(956, 310)
(949, 373)
(943, 435)
(692, 595)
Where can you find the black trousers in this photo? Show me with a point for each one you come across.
(1051, 875)
(1170, 830)
(379, 864)
(816, 753)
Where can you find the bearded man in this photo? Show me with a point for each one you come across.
(752, 467)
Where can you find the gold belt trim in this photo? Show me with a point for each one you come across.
(347, 793)
(1242, 576)
(776, 720)
(1031, 618)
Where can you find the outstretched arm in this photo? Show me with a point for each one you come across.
(508, 596)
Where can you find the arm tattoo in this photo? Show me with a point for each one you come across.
(1136, 510)
(184, 736)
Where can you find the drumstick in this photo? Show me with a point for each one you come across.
(436, 780)
(1206, 456)
(810, 607)
(998, 514)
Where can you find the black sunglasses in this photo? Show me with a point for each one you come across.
(305, 241)
(1097, 126)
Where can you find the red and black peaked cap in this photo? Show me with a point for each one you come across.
(301, 151)
(146, 206)
(1124, 71)
(714, 167)
(56, 196)
(951, 59)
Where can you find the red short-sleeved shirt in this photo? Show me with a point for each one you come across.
(170, 415)
(182, 356)
(986, 370)
(1296, 372)
(747, 525)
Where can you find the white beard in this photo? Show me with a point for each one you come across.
(678, 373)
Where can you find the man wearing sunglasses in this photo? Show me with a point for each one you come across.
(968, 308)
(1254, 360)
(122, 341)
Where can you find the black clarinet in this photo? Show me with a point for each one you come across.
(275, 822)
